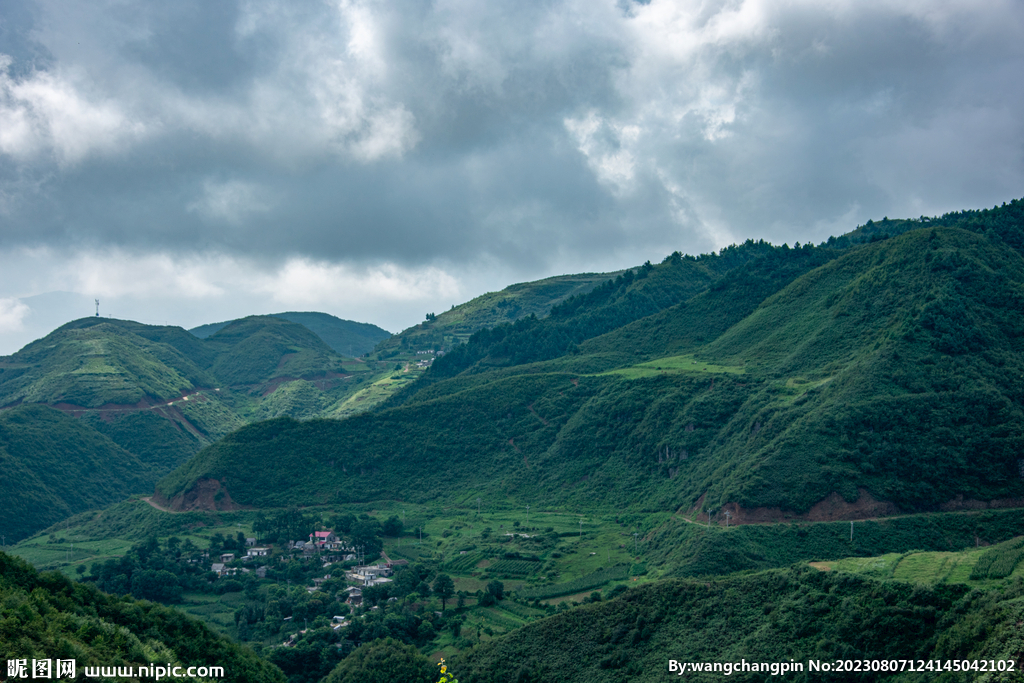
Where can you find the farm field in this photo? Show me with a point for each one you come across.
(979, 567)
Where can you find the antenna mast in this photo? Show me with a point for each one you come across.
(97, 307)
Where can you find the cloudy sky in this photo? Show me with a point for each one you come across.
(192, 161)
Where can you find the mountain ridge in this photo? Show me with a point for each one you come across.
(874, 330)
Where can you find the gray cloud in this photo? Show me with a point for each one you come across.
(480, 137)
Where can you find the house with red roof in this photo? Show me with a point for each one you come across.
(322, 538)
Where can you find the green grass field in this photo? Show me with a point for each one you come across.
(674, 364)
(380, 388)
(929, 568)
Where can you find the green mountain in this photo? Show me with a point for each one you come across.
(344, 336)
(94, 362)
(49, 617)
(442, 330)
(875, 375)
(56, 466)
(148, 398)
(261, 348)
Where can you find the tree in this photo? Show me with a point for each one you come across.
(444, 588)
(497, 589)
(393, 526)
(384, 661)
(366, 534)
(342, 523)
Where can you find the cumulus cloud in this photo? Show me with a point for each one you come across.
(48, 113)
(12, 314)
(354, 136)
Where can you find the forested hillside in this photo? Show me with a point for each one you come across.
(787, 616)
(448, 328)
(881, 372)
(49, 617)
(54, 466)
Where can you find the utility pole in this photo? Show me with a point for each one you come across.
(727, 516)
(635, 534)
(527, 515)
(710, 512)
(851, 531)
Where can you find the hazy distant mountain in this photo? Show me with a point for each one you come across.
(344, 336)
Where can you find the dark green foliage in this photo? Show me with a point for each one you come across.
(164, 444)
(384, 661)
(365, 534)
(463, 564)
(392, 526)
(95, 361)
(55, 466)
(47, 616)
(725, 302)
(255, 349)
(780, 616)
(510, 304)
(150, 572)
(1000, 561)
(630, 296)
(443, 588)
(158, 393)
(514, 567)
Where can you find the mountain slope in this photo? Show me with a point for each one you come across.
(891, 369)
(904, 366)
(488, 310)
(56, 466)
(47, 616)
(790, 617)
(260, 348)
(344, 336)
(149, 398)
(90, 365)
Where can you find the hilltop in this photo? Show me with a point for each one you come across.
(455, 326)
(346, 337)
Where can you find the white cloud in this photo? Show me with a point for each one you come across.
(120, 273)
(606, 147)
(12, 315)
(49, 113)
(304, 282)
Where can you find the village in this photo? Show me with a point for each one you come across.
(323, 547)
